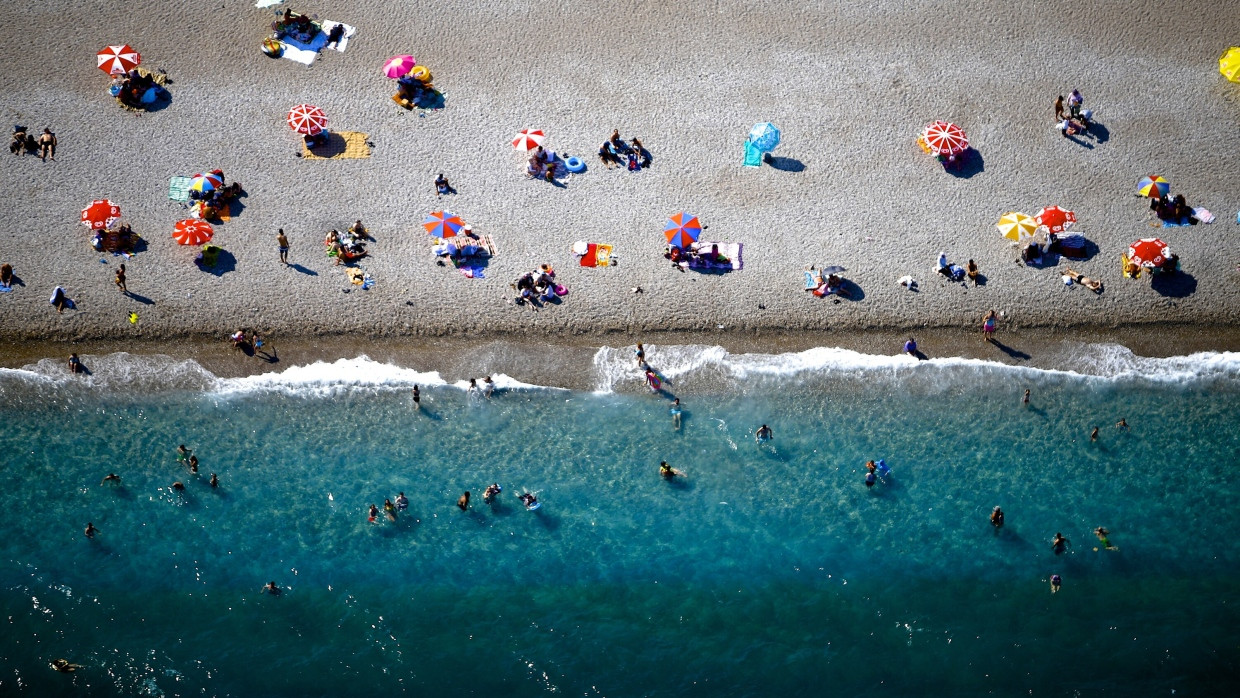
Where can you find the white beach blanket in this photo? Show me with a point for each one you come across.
(267, 3)
(305, 53)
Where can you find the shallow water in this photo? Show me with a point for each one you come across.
(768, 570)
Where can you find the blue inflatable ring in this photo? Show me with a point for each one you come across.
(574, 164)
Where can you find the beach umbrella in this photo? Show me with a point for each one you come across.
(682, 228)
(1056, 219)
(529, 139)
(945, 138)
(764, 136)
(307, 119)
(1149, 252)
(115, 60)
(100, 214)
(443, 224)
(398, 66)
(1153, 186)
(1015, 226)
(192, 232)
(1229, 64)
(205, 182)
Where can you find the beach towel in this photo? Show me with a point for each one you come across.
(1203, 215)
(813, 279)
(731, 250)
(178, 189)
(341, 145)
(267, 3)
(344, 41)
(472, 272)
(753, 156)
(303, 52)
(595, 254)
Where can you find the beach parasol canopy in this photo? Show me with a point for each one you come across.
(205, 183)
(1229, 64)
(192, 232)
(682, 229)
(945, 138)
(115, 60)
(1149, 252)
(398, 66)
(100, 214)
(1153, 186)
(764, 136)
(443, 224)
(1056, 219)
(307, 119)
(1014, 226)
(529, 139)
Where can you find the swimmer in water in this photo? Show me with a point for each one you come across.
(183, 453)
(1025, 400)
(764, 433)
(473, 385)
(529, 500)
(373, 514)
(996, 518)
(870, 466)
(390, 509)
(1122, 423)
(488, 387)
(1056, 582)
(402, 502)
(1102, 534)
(193, 464)
(64, 666)
(668, 471)
(90, 530)
(675, 412)
(215, 481)
(651, 381)
(178, 486)
(1093, 435)
(271, 588)
(491, 492)
(111, 477)
(417, 397)
(869, 479)
(1059, 543)
(463, 502)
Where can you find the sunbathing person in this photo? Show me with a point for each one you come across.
(1091, 284)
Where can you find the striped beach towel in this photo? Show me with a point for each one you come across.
(178, 189)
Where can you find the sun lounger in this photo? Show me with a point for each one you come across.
(731, 250)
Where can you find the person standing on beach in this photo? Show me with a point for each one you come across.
(47, 145)
(75, 364)
(640, 354)
(910, 347)
(120, 280)
(988, 326)
(1060, 116)
(282, 242)
(1075, 100)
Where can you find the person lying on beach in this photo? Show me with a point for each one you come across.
(1072, 126)
(1091, 284)
(47, 145)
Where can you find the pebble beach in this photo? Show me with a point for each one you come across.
(850, 84)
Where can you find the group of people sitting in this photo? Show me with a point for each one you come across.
(412, 91)
(349, 246)
(543, 164)
(697, 254)
(955, 272)
(823, 287)
(1174, 210)
(1075, 120)
(296, 26)
(538, 285)
(614, 151)
(458, 248)
(209, 204)
(137, 89)
(119, 239)
(23, 143)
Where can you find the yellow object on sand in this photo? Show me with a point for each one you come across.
(355, 276)
(1015, 226)
(1229, 64)
(1127, 266)
(421, 73)
(133, 318)
(341, 145)
(921, 141)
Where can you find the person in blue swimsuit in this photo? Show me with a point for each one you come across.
(910, 347)
(675, 412)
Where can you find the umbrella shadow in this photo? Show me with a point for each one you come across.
(1010, 351)
(968, 164)
(850, 290)
(784, 164)
(1177, 285)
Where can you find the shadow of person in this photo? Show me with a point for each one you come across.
(303, 270)
(1098, 132)
(269, 356)
(141, 299)
(1014, 353)
(920, 355)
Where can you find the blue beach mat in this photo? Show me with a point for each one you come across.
(753, 156)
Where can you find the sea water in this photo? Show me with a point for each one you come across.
(767, 570)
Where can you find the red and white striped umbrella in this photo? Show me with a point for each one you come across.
(307, 119)
(1056, 219)
(115, 60)
(192, 232)
(529, 139)
(945, 138)
(100, 214)
(1149, 252)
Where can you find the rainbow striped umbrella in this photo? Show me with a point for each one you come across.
(1015, 226)
(1153, 186)
(204, 183)
(115, 60)
(443, 224)
(398, 66)
(682, 229)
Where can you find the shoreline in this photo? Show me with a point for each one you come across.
(562, 361)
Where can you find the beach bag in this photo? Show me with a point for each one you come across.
(272, 48)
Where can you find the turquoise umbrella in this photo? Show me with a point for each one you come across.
(764, 137)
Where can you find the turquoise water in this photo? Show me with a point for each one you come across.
(768, 570)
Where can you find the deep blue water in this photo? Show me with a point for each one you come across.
(767, 571)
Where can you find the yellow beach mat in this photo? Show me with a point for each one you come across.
(341, 145)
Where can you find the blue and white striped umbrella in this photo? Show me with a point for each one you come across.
(764, 137)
